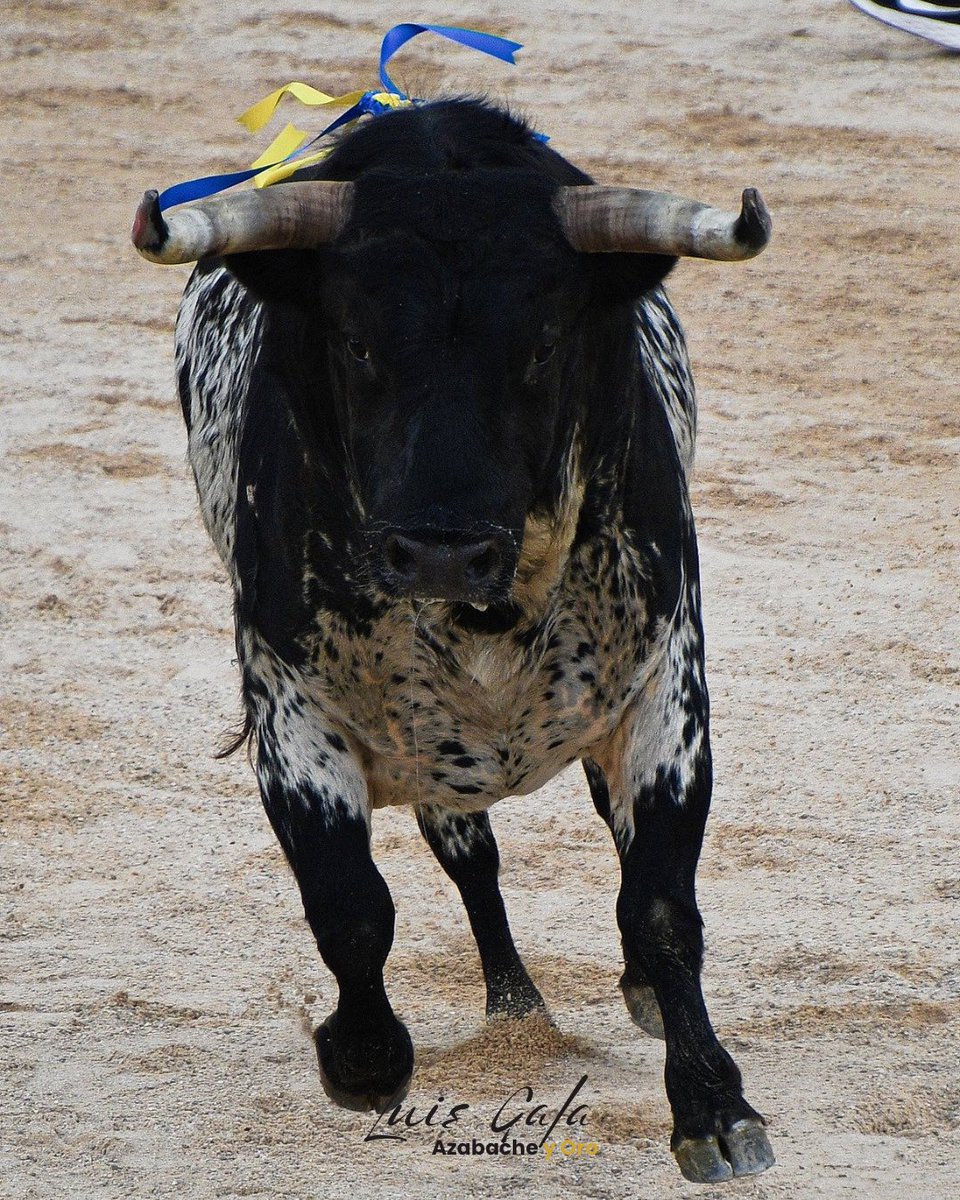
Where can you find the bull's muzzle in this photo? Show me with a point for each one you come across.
(445, 566)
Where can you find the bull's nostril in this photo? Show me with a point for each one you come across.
(481, 566)
(399, 555)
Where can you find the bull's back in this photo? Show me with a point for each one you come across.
(218, 334)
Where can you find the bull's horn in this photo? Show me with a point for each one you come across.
(289, 216)
(606, 219)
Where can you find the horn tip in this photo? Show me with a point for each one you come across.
(754, 225)
(149, 228)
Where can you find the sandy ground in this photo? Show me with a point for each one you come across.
(157, 982)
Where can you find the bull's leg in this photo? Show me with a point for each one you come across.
(652, 783)
(465, 847)
(638, 994)
(316, 799)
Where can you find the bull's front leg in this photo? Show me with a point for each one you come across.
(465, 847)
(652, 785)
(316, 798)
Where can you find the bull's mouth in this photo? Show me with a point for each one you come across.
(498, 617)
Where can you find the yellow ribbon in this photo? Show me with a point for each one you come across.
(290, 138)
(259, 115)
(283, 145)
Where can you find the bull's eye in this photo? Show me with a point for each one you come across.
(545, 350)
(358, 349)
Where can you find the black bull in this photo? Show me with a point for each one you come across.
(443, 455)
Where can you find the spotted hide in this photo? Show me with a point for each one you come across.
(444, 458)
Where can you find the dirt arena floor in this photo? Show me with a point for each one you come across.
(157, 982)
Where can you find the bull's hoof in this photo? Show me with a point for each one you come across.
(743, 1150)
(643, 1007)
(364, 1072)
(514, 996)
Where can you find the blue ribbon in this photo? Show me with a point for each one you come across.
(399, 35)
(486, 43)
(367, 105)
(209, 185)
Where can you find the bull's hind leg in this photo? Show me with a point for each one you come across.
(465, 847)
(316, 799)
(652, 784)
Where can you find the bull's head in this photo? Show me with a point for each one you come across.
(448, 313)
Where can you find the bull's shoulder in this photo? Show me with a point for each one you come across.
(663, 351)
(217, 341)
(217, 334)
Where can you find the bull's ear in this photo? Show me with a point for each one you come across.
(617, 278)
(278, 276)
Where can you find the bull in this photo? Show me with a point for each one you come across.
(441, 420)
